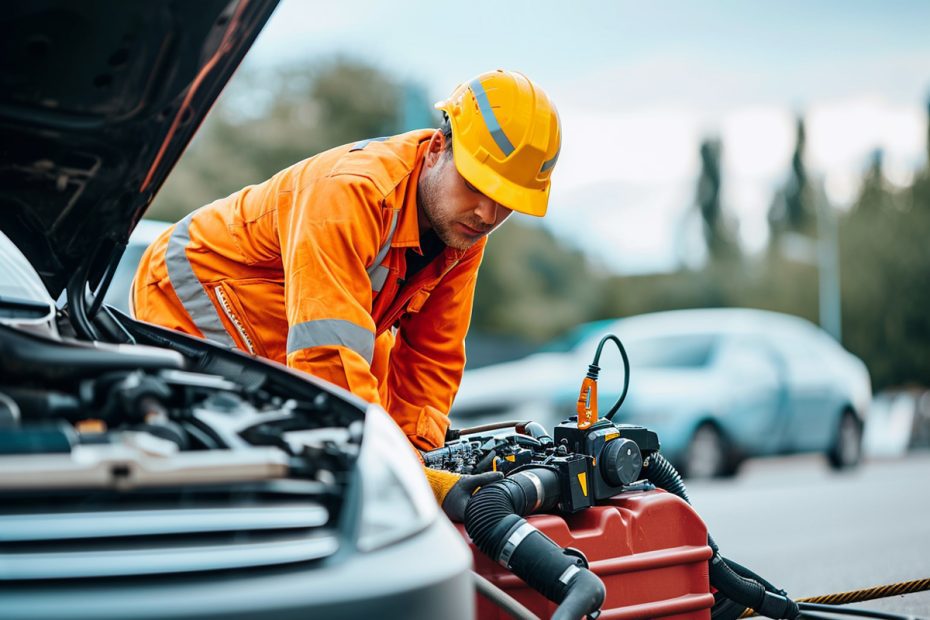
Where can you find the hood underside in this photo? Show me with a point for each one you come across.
(98, 100)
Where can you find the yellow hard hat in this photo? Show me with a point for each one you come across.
(506, 138)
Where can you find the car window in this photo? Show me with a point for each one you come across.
(684, 351)
(748, 357)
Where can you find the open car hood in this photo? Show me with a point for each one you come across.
(98, 100)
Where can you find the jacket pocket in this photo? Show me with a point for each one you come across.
(258, 304)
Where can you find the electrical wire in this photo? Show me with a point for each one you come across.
(77, 302)
(626, 370)
(865, 613)
(813, 616)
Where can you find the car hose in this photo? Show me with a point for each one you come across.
(745, 588)
(494, 521)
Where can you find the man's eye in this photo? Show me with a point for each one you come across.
(471, 187)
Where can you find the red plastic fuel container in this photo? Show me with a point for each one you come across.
(649, 548)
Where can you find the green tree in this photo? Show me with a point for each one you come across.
(794, 208)
(718, 232)
(532, 286)
(886, 278)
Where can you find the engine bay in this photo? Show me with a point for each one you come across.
(122, 416)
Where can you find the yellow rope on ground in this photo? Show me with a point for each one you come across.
(865, 594)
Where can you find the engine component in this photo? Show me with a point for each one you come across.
(593, 463)
(590, 462)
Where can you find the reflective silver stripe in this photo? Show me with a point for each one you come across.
(547, 165)
(378, 273)
(331, 332)
(378, 277)
(569, 573)
(513, 542)
(490, 120)
(189, 289)
(358, 146)
(538, 485)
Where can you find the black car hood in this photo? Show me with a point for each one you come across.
(98, 100)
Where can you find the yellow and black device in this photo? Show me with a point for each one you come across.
(613, 458)
(594, 459)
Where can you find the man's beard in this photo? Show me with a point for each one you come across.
(429, 198)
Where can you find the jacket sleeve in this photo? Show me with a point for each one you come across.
(329, 232)
(429, 356)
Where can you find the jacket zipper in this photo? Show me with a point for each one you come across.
(224, 303)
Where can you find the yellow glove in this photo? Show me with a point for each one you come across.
(452, 491)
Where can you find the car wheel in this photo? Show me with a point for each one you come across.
(707, 454)
(847, 446)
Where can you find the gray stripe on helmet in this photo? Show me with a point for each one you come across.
(189, 289)
(331, 332)
(547, 165)
(377, 273)
(490, 120)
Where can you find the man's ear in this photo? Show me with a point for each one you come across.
(437, 144)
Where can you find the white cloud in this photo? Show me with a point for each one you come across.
(758, 141)
(844, 133)
(636, 146)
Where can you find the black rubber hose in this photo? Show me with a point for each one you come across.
(585, 596)
(664, 475)
(493, 520)
(516, 495)
(536, 431)
(744, 590)
(745, 572)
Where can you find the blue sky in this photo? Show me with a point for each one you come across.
(639, 84)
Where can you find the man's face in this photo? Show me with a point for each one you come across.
(459, 213)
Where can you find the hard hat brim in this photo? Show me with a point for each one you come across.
(498, 188)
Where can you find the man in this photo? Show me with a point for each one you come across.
(358, 265)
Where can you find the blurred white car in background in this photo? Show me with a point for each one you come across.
(718, 385)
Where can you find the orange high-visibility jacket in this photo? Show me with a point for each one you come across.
(309, 267)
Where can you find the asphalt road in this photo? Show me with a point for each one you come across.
(812, 531)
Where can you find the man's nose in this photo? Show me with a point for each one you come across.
(489, 212)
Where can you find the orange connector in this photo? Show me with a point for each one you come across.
(587, 403)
